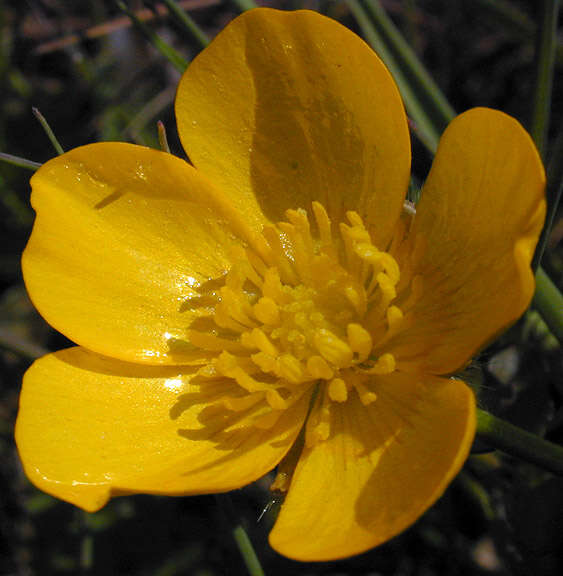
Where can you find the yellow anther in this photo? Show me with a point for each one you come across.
(394, 317)
(367, 397)
(318, 368)
(275, 400)
(386, 286)
(272, 287)
(257, 266)
(391, 267)
(355, 219)
(300, 220)
(242, 402)
(244, 380)
(301, 249)
(323, 223)
(278, 243)
(236, 305)
(223, 319)
(367, 251)
(332, 349)
(337, 390)
(360, 340)
(267, 311)
(318, 425)
(385, 364)
(289, 368)
(356, 298)
(317, 433)
(226, 363)
(257, 339)
(281, 482)
(264, 361)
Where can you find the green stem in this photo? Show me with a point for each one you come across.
(174, 57)
(520, 443)
(20, 162)
(545, 59)
(50, 134)
(240, 536)
(187, 23)
(553, 192)
(548, 301)
(244, 5)
(247, 551)
(86, 562)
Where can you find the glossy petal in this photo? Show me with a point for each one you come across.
(476, 228)
(90, 427)
(124, 236)
(381, 468)
(288, 107)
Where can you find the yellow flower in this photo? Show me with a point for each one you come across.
(277, 286)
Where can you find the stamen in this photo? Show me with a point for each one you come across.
(357, 298)
(318, 368)
(394, 317)
(301, 222)
(265, 361)
(241, 403)
(275, 400)
(312, 308)
(301, 255)
(337, 390)
(280, 257)
(387, 288)
(323, 223)
(385, 364)
(360, 340)
(318, 425)
(332, 349)
(289, 368)
(267, 311)
(257, 339)
(367, 397)
(272, 286)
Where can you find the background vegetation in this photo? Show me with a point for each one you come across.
(95, 77)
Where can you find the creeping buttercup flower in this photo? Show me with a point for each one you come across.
(274, 294)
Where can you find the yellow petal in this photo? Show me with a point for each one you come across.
(124, 236)
(90, 427)
(284, 108)
(382, 466)
(475, 231)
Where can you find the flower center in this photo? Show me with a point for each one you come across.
(312, 309)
